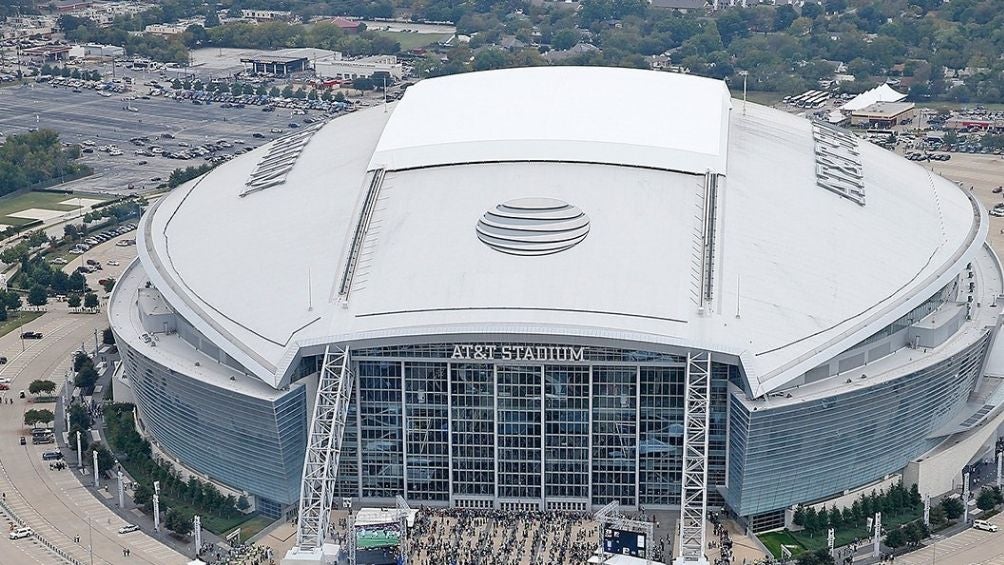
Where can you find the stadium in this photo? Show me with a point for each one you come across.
(527, 275)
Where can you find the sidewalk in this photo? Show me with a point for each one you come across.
(108, 494)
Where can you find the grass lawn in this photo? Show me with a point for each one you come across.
(14, 321)
(774, 540)
(410, 41)
(844, 536)
(16, 202)
(945, 105)
(767, 98)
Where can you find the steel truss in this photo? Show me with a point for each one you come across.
(324, 449)
(694, 499)
(609, 516)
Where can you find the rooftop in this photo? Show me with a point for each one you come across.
(800, 273)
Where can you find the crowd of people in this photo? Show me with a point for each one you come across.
(723, 544)
(459, 536)
(242, 554)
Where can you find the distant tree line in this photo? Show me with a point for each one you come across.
(31, 158)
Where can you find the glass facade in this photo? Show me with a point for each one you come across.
(252, 443)
(805, 451)
(567, 431)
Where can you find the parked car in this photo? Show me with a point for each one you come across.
(129, 528)
(31, 335)
(20, 533)
(985, 526)
(52, 455)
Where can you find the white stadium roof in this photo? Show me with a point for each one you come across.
(800, 273)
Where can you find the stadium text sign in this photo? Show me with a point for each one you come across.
(492, 351)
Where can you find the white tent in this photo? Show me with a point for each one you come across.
(882, 93)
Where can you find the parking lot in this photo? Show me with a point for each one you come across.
(106, 121)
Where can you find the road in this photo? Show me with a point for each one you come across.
(54, 503)
(971, 547)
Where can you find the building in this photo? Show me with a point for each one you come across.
(881, 93)
(96, 50)
(346, 24)
(364, 67)
(277, 65)
(883, 114)
(266, 15)
(522, 305)
(46, 53)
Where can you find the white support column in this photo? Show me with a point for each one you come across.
(965, 495)
(97, 476)
(404, 432)
(543, 439)
(694, 495)
(877, 536)
(121, 491)
(156, 506)
(197, 527)
(927, 510)
(1000, 462)
(589, 452)
(495, 429)
(449, 430)
(80, 453)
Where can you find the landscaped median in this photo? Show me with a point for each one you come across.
(220, 513)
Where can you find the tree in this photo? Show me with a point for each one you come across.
(938, 516)
(37, 296)
(107, 337)
(90, 300)
(242, 503)
(38, 386)
(86, 378)
(106, 461)
(43, 416)
(913, 533)
(953, 508)
(73, 301)
(895, 538)
(818, 557)
(178, 522)
(143, 495)
(109, 284)
(986, 500)
(836, 519)
(12, 300)
(799, 517)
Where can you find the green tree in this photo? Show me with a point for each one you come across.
(953, 508)
(37, 296)
(818, 557)
(33, 417)
(106, 461)
(143, 495)
(938, 516)
(895, 538)
(12, 300)
(986, 499)
(107, 337)
(178, 522)
(73, 301)
(86, 378)
(274, 92)
(39, 386)
(90, 300)
(799, 517)
(242, 503)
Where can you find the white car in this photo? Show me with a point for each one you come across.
(58, 261)
(20, 533)
(113, 263)
(985, 526)
(128, 529)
